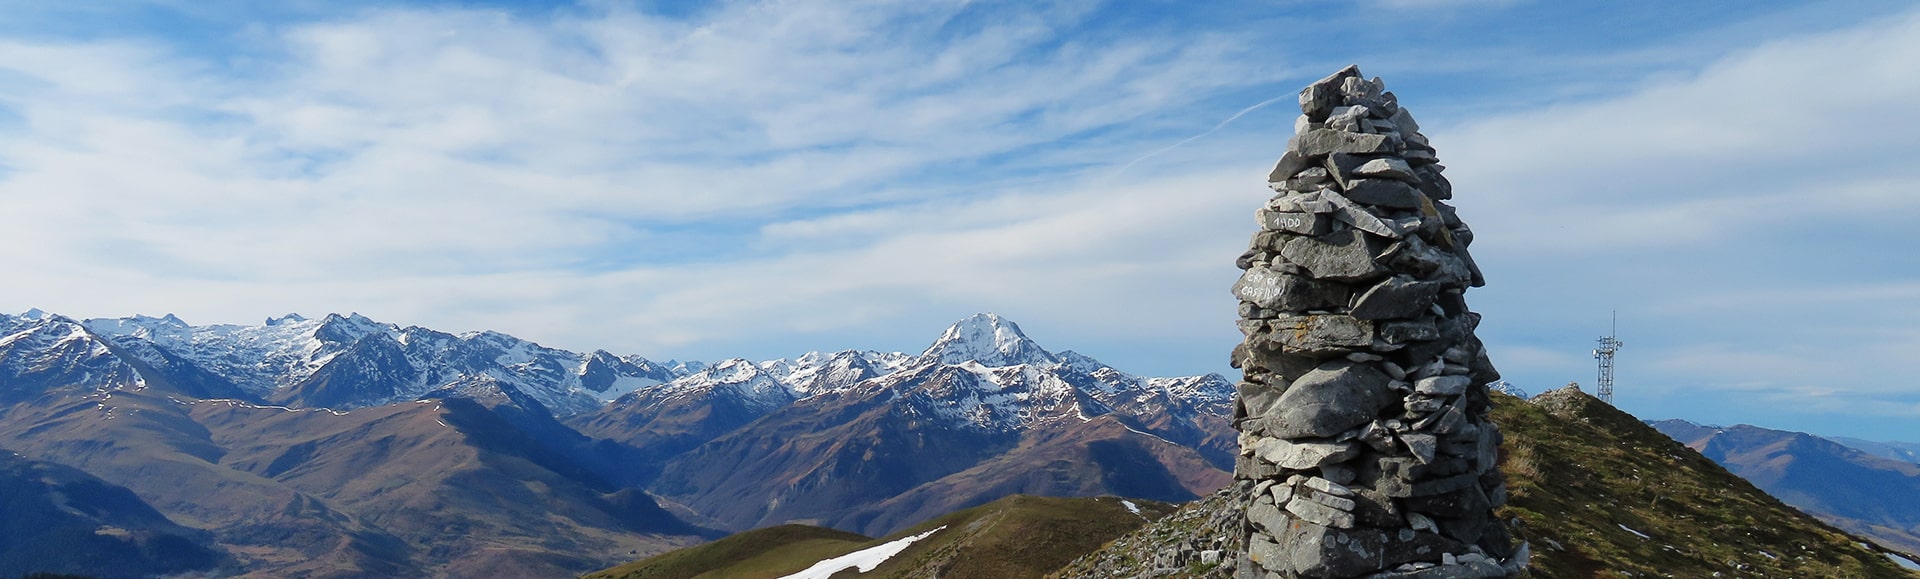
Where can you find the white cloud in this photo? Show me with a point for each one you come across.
(472, 169)
(766, 171)
(1751, 221)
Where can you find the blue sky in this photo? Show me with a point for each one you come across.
(760, 179)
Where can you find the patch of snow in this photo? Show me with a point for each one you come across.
(1132, 508)
(865, 559)
(230, 402)
(624, 384)
(1635, 533)
(988, 339)
(1904, 562)
(1147, 434)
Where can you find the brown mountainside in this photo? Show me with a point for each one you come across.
(61, 520)
(1874, 496)
(431, 488)
(874, 460)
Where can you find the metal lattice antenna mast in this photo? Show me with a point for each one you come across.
(1604, 353)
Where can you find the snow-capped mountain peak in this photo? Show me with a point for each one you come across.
(989, 339)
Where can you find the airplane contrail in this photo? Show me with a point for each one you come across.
(1216, 128)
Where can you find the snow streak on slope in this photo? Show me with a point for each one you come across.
(865, 559)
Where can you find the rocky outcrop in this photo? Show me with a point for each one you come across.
(1363, 410)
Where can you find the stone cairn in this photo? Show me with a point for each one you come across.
(1363, 412)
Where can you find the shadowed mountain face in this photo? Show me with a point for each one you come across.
(61, 520)
(1874, 496)
(432, 488)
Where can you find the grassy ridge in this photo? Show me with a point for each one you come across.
(1014, 537)
(1587, 481)
(1595, 492)
(769, 552)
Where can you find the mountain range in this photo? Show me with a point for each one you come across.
(342, 446)
(345, 447)
(1595, 493)
(1873, 496)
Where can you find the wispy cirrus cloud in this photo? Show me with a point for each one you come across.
(759, 178)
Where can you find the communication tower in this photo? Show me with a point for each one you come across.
(1604, 353)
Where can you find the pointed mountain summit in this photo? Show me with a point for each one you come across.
(984, 412)
(989, 339)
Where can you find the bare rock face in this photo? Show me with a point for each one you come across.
(1363, 411)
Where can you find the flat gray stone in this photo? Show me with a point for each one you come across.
(1341, 166)
(1303, 455)
(1433, 183)
(1312, 178)
(1282, 368)
(1442, 385)
(1290, 164)
(1264, 552)
(1247, 467)
(1318, 99)
(1298, 223)
(1385, 193)
(1327, 486)
(1321, 142)
(1414, 255)
(1336, 397)
(1351, 119)
(1257, 398)
(1338, 256)
(1319, 335)
(1448, 421)
(1417, 156)
(1396, 297)
(1465, 502)
(1403, 331)
(1339, 503)
(1423, 446)
(1320, 514)
(1323, 551)
(1403, 120)
(1423, 403)
(1278, 291)
(1314, 202)
(1386, 168)
(1362, 219)
(1269, 517)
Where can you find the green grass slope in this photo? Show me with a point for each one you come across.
(1596, 492)
(1587, 481)
(768, 552)
(1015, 537)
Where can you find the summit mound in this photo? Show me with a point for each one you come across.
(1595, 493)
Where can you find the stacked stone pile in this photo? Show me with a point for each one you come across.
(1363, 412)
